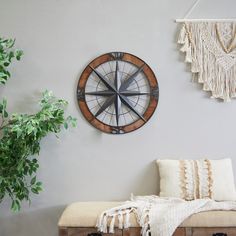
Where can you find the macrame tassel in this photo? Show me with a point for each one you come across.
(127, 217)
(143, 218)
(227, 90)
(148, 232)
(104, 224)
(189, 178)
(195, 67)
(188, 57)
(184, 48)
(112, 224)
(99, 222)
(182, 35)
(144, 229)
(206, 87)
(120, 220)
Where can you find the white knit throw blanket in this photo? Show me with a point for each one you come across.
(156, 215)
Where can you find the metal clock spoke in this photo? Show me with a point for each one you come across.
(104, 93)
(108, 84)
(131, 107)
(117, 79)
(105, 105)
(117, 109)
(127, 82)
(128, 93)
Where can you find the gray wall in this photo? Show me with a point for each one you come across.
(59, 37)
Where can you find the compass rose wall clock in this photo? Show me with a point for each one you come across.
(117, 93)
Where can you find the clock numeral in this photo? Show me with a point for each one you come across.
(155, 92)
(117, 130)
(117, 55)
(80, 94)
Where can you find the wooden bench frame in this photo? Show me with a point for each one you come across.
(195, 231)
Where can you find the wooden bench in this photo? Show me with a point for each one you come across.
(79, 219)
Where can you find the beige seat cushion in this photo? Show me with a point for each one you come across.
(85, 214)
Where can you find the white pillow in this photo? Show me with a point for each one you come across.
(193, 179)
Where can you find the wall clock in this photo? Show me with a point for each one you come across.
(117, 93)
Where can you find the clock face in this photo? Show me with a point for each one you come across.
(117, 93)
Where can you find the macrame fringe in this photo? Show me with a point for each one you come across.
(107, 220)
(210, 64)
(157, 216)
(127, 219)
(122, 216)
(182, 179)
(196, 179)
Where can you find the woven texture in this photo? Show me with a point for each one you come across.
(194, 179)
(210, 47)
(158, 216)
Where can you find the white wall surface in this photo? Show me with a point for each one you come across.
(59, 38)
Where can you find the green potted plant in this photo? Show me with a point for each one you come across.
(20, 136)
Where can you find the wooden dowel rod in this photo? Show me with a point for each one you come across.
(203, 20)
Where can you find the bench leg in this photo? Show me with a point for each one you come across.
(63, 231)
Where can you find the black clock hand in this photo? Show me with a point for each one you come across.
(125, 101)
(105, 93)
(107, 83)
(117, 108)
(117, 101)
(117, 80)
(105, 105)
(128, 81)
(128, 93)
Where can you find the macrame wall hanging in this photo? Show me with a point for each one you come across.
(210, 47)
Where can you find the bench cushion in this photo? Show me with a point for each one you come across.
(85, 214)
